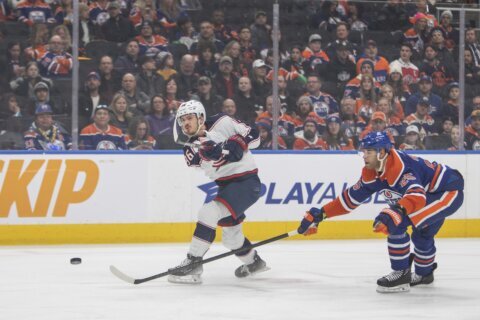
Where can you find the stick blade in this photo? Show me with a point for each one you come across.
(122, 276)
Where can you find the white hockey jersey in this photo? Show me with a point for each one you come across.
(220, 128)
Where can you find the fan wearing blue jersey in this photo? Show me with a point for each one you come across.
(219, 145)
(420, 193)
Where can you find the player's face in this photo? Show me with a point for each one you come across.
(189, 124)
(370, 158)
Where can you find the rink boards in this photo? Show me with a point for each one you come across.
(154, 197)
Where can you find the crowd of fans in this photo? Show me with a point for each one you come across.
(148, 56)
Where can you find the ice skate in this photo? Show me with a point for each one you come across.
(258, 265)
(423, 280)
(187, 272)
(396, 281)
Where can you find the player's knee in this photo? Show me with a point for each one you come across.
(232, 237)
(209, 214)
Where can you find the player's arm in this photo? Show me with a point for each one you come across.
(345, 203)
(414, 198)
(192, 158)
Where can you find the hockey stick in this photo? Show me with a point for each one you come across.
(119, 274)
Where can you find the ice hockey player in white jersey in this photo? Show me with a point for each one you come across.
(219, 145)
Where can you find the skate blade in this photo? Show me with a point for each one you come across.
(397, 289)
(188, 279)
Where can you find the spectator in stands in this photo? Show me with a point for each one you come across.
(264, 127)
(261, 32)
(421, 118)
(323, 103)
(186, 77)
(168, 14)
(24, 85)
(394, 124)
(451, 107)
(56, 62)
(230, 108)
(110, 79)
(222, 32)
(186, 33)
(424, 91)
(120, 114)
(15, 64)
(225, 82)
(62, 31)
(366, 99)
(472, 132)
(352, 87)
(392, 16)
(206, 64)
(452, 36)
(117, 28)
(304, 111)
(417, 35)
(248, 52)
(100, 135)
(90, 97)
(86, 32)
(267, 111)
(408, 70)
(329, 15)
(148, 80)
(260, 83)
(473, 45)
(128, 63)
(340, 70)
(314, 57)
(352, 124)
(165, 65)
(437, 39)
(39, 36)
(295, 61)
(99, 12)
(355, 17)
(447, 125)
(469, 108)
(378, 123)
(136, 99)
(412, 139)
(334, 137)
(232, 49)
(138, 137)
(5, 11)
(308, 139)
(455, 139)
(472, 72)
(287, 100)
(170, 92)
(64, 12)
(341, 39)
(41, 96)
(150, 43)
(207, 34)
(160, 119)
(211, 101)
(249, 106)
(401, 91)
(381, 66)
(34, 11)
(440, 72)
(44, 133)
(387, 92)
(11, 109)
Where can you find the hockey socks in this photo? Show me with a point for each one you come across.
(202, 239)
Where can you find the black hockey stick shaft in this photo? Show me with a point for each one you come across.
(220, 256)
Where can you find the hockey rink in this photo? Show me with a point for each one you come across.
(308, 280)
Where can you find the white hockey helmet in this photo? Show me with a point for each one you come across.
(189, 107)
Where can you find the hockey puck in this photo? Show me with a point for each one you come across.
(75, 261)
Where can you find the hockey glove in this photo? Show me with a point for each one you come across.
(210, 151)
(236, 146)
(389, 219)
(310, 221)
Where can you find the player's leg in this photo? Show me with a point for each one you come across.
(430, 219)
(399, 251)
(233, 239)
(203, 237)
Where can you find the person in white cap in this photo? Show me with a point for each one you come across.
(408, 70)
(452, 35)
(412, 139)
(313, 53)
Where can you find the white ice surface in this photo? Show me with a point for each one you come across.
(308, 280)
